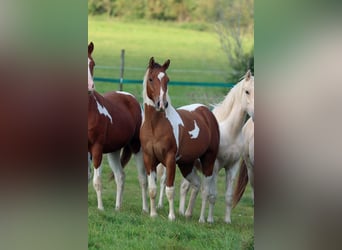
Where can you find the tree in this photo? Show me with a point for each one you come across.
(237, 23)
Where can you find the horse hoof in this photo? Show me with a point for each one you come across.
(228, 221)
(210, 220)
(145, 210)
(172, 217)
(100, 208)
(201, 220)
(188, 215)
(160, 206)
(154, 215)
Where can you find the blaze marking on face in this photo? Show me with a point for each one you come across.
(161, 95)
(90, 78)
(195, 132)
(161, 75)
(104, 111)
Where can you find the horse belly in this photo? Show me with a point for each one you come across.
(191, 151)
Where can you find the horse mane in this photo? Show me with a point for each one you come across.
(224, 108)
(146, 99)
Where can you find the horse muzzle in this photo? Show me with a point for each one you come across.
(161, 106)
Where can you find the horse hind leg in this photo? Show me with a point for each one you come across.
(184, 188)
(97, 183)
(195, 182)
(142, 179)
(209, 191)
(115, 165)
(230, 177)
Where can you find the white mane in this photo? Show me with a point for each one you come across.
(223, 109)
(146, 99)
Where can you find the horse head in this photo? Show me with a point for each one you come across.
(91, 65)
(248, 94)
(155, 82)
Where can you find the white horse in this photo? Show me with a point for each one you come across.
(231, 114)
(246, 164)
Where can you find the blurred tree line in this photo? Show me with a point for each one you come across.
(232, 19)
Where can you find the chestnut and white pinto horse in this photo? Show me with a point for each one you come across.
(246, 164)
(181, 137)
(114, 121)
(231, 114)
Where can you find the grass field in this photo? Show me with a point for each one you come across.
(196, 56)
(193, 52)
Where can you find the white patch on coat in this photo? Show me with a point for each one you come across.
(104, 111)
(191, 107)
(175, 121)
(195, 132)
(125, 93)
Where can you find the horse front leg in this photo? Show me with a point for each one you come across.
(142, 178)
(170, 163)
(96, 153)
(119, 174)
(161, 173)
(150, 166)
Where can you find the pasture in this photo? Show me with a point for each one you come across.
(191, 52)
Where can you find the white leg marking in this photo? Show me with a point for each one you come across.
(184, 188)
(208, 193)
(115, 165)
(161, 172)
(170, 193)
(230, 177)
(142, 179)
(152, 187)
(195, 181)
(98, 186)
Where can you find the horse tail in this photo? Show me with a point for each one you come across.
(241, 183)
(124, 159)
(125, 155)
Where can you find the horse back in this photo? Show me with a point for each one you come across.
(200, 132)
(120, 126)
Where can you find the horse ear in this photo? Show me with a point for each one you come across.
(248, 75)
(151, 63)
(166, 64)
(90, 48)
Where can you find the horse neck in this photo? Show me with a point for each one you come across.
(230, 113)
(234, 122)
(93, 98)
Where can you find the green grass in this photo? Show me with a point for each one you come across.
(130, 228)
(196, 56)
(189, 50)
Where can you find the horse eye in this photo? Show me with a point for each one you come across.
(150, 79)
(247, 92)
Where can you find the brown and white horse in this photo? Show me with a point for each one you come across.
(114, 121)
(246, 164)
(181, 137)
(231, 115)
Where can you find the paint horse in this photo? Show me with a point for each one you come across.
(246, 164)
(231, 114)
(171, 137)
(114, 121)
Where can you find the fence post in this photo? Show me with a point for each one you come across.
(122, 68)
